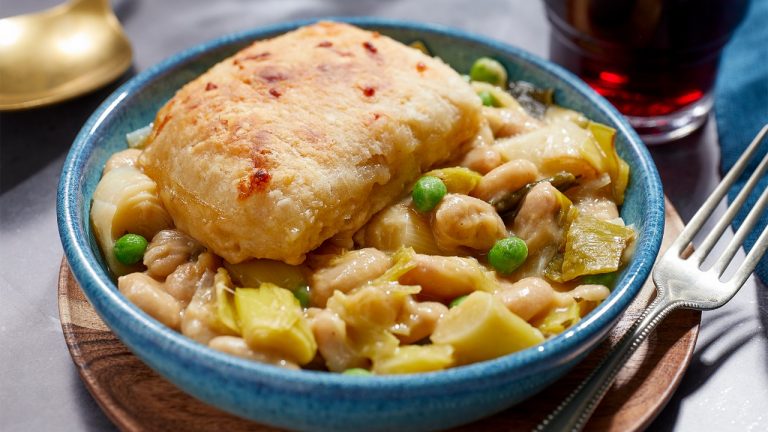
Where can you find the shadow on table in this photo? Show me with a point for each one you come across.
(762, 307)
(689, 168)
(125, 9)
(31, 139)
(87, 407)
(699, 370)
(337, 8)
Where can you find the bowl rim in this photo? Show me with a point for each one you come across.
(117, 310)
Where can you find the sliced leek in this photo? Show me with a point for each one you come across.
(399, 226)
(126, 201)
(616, 167)
(272, 321)
(482, 328)
(226, 314)
(402, 263)
(564, 146)
(592, 246)
(559, 319)
(254, 272)
(556, 113)
(457, 179)
(138, 137)
(414, 359)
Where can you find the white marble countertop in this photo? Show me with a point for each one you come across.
(725, 388)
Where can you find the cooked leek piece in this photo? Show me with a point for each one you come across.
(138, 138)
(415, 358)
(369, 312)
(254, 272)
(560, 319)
(397, 226)
(458, 180)
(226, 314)
(126, 201)
(564, 146)
(555, 148)
(272, 321)
(592, 246)
(402, 263)
(556, 113)
(568, 212)
(375, 343)
(482, 328)
(616, 167)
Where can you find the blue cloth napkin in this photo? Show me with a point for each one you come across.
(741, 108)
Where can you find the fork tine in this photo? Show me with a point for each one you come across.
(741, 233)
(709, 242)
(750, 262)
(701, 216)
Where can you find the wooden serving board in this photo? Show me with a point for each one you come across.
(137, 399)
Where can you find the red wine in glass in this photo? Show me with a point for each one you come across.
(655, 60)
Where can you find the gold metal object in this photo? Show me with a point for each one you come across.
(60, 53)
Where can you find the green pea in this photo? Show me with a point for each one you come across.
(508, 254)
(487, 98)
(129, 249)
(457, 301)
(427, 193)
(357, 372)
(488, 70)
(302, 295)
(606, 279)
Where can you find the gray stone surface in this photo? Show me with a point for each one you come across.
(725, 388)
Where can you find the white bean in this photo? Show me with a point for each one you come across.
(482, 159)
(527, 297)
(505, 122)
(462, 221)
(590, 292)
(168, 250)
(449, 277)
(330, 333)
(346, 272)
(198, 316)
(420, 319)
(506, 178)
(123, 158)
(188, 277)
(236, 346)
(536, 221)
(148, 294)
(480, 156)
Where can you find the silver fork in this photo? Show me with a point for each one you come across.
(680, 283)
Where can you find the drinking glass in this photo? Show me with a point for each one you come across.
(655, 60)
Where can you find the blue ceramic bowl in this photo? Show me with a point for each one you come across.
(324, 401)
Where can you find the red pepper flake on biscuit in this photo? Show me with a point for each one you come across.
(369, 91)
(369, 46)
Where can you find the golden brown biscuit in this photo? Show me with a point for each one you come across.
(302, 137)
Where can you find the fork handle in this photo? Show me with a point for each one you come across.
(577, 408)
